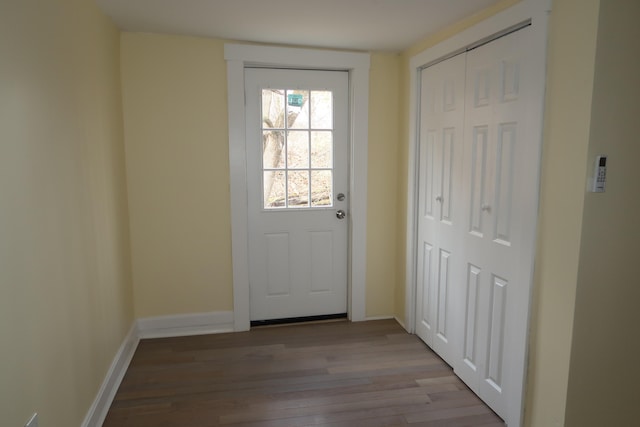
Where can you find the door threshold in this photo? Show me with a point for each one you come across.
(305, 319)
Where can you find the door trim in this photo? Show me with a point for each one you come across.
(535, 11)
(239, 57)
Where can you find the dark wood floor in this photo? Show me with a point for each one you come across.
(326, 374)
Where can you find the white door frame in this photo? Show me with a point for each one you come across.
(238, 57)
(535, 11)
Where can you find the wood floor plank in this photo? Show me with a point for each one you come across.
(444, 414)
(269, 414)
(341, 399)
(334, 374)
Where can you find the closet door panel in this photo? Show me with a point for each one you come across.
(440, 205)
(499, 189)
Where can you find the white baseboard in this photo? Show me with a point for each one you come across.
(151, 327)
(396, 318)
(402, 323)
(377, 318)
(100, 406)
(186, 324)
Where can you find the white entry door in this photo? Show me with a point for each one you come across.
(479, 172)
(297, 176)
(440, 203)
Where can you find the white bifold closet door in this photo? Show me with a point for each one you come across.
(440, 216)
(479, 168)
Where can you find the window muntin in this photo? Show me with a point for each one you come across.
(297, 148)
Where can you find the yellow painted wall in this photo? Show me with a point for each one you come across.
(604, 372)
(382, 183)
(175, 120)
(65, 288)
(175, 109)
(571, 55)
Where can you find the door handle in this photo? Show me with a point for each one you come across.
(341, 214)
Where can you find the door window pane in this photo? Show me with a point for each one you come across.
(321, 110)
(298, 189)
(273, 149)
(274, 189)
(273, 108)
(297, 109)
(321, 188)
(297, 148)
(322, 149)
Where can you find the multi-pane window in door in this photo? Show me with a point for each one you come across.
(297, 148)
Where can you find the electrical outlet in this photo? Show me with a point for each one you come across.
(33, 422)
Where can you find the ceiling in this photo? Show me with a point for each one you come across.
(369, 25)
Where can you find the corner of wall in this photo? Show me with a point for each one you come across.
(101, 404)
(570, 73)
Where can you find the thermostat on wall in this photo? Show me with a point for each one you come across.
(599, 175)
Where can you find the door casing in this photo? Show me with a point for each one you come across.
(534, 11)
(357, 64)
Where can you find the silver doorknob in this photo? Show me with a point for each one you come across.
(439, 199)
(486, 208)
(341, 214)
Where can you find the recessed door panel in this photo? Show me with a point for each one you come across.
(425, 291)
(471, 317)
(495, 356)
(321, 260)
(443, 290)
(277, 249)
(505, 152)
(479, 147)
(510, 80)
(481, 87)
(447, 153)
(428, 160)
(450, 95)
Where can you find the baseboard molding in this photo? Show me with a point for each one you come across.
(100, 406)
(185, 324)
(402, 324)
(396, 318)
(369, 318)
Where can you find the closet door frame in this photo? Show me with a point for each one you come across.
(534, 13)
